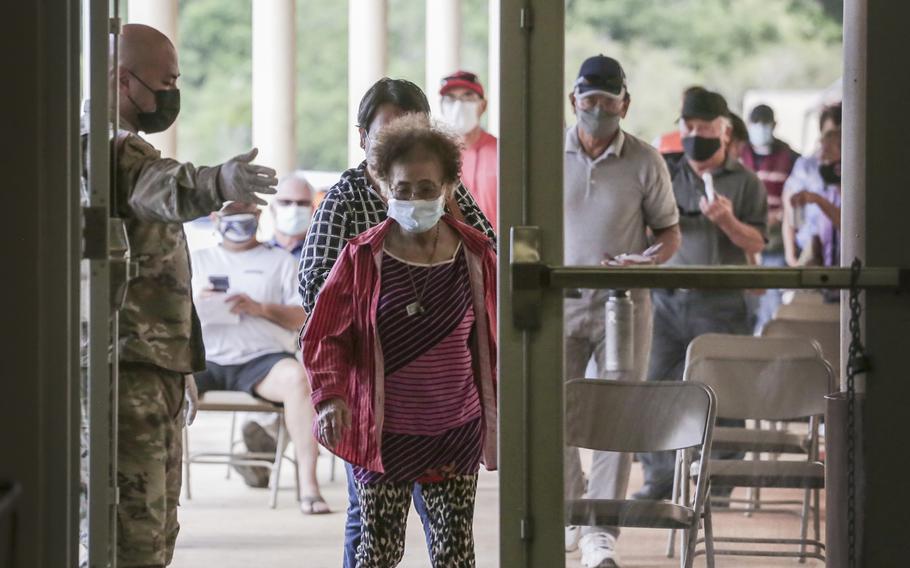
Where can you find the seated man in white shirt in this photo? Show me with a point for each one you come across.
(247, 298)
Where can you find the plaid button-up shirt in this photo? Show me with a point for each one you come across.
(352, 206)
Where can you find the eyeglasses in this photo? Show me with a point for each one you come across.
(422, 191)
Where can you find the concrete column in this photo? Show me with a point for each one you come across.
(161, 15)
(367, 60)
(443, 56)
(492, 85)
(274, 72)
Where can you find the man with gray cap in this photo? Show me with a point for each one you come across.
(616, 188)
(723, 211)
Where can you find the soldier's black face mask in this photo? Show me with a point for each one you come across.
(167, 107)
(700, 148)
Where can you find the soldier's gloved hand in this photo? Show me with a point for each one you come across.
(333, 419)
(241, 180)
(191, 394)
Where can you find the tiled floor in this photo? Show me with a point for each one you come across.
(227, 525)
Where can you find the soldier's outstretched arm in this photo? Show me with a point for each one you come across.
(167, 191)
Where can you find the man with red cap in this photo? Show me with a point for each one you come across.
(463, 104)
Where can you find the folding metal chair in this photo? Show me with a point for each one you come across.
(623, 416)
(233, 401)
(809, 312)
(826, 333)
(751, 385)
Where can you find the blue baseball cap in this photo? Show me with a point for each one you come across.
(601, 74)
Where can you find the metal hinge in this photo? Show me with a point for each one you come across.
(526, 19)
(115, 26)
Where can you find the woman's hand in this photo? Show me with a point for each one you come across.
(333, 419)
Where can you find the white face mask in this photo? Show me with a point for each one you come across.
(462, 116)
(760, 135)
(417, 215)
(292, 219)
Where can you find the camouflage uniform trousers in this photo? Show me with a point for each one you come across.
(149, 456)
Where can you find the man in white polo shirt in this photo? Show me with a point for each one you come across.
(251, 312)
(616, 188)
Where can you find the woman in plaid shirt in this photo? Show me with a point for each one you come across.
(353, 206)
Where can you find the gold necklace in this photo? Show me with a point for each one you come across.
(416, 308)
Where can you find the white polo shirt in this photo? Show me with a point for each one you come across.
(265, 274)
(609, 201)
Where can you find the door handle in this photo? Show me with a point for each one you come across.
(530, 277)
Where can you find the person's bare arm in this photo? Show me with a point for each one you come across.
(670, 239)
(288, 317)
(830, 210)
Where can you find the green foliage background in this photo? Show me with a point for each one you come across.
(664, 45)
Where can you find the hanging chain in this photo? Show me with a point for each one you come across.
(857, 363)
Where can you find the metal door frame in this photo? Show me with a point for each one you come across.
(532, 36)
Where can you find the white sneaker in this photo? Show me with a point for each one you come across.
(572, 534)
(597, 550)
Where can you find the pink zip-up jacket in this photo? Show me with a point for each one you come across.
(343, 356)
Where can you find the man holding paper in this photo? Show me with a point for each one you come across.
(250, 308)
(616, 188)
(723, 211)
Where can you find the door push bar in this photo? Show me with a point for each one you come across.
(530, 277)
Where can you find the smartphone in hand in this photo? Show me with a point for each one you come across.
(219, 283)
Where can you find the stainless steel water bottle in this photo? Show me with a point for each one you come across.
(619, 342)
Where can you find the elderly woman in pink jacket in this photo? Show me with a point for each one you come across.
(401, 353)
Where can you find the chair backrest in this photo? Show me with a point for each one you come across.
(804, 297)
(728, 345)
(753, 381)
(811, 312)
(632, 416)
(826, 333)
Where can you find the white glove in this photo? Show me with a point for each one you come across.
(333, 419)
(191, 394)
(240, 180)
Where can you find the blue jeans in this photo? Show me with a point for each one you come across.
(352, 524)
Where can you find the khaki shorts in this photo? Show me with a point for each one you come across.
(149, 455)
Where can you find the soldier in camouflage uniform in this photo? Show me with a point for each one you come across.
(160, 339)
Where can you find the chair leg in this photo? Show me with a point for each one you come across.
(186, 463)
(332, 457)
(709, 535)
(677, 482)
(276, 467)
(297, 474)
(231, 442)
(804, 526)
(817, 523)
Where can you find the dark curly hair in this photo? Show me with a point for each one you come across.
(412, 135)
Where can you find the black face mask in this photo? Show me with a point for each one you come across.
(830, 173)
(167, 107)
(699, 148)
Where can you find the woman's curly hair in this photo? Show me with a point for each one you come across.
(414, 135)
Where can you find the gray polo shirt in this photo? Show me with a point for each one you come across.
(703, 243)
(610, 200)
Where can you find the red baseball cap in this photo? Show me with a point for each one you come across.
(463, 79)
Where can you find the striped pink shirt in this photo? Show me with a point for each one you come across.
(432, 421)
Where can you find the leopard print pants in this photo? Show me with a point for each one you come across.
(384, 515)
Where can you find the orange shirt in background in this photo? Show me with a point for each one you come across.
(479, 173)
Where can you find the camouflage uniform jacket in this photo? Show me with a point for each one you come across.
(155, 196)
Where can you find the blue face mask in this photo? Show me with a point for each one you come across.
(238, 228)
